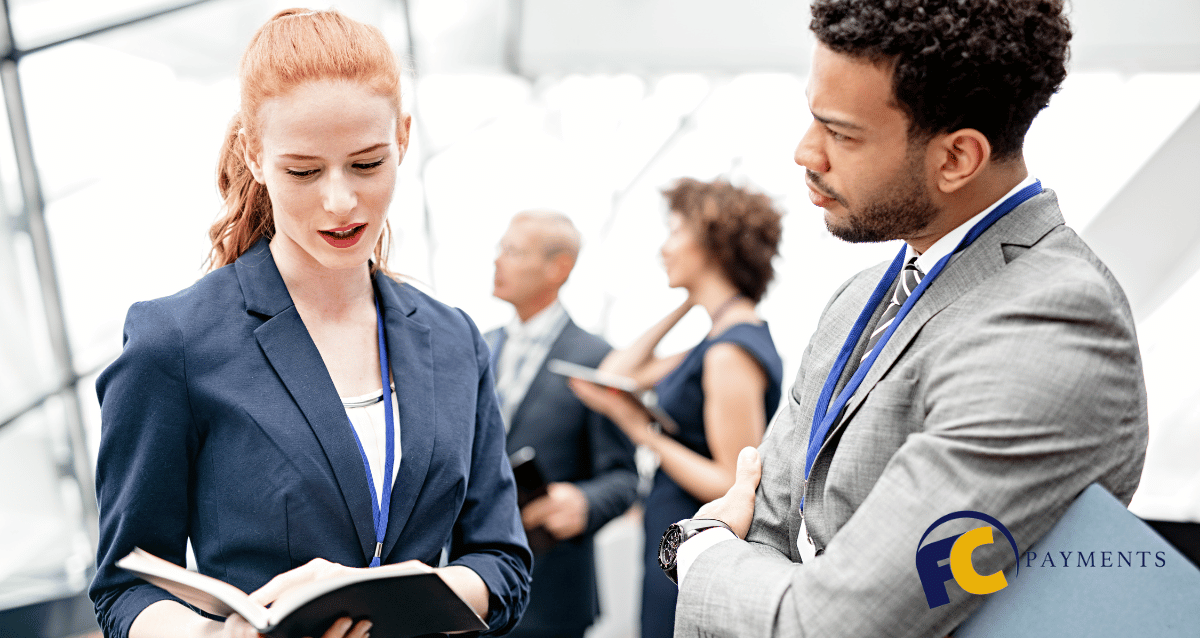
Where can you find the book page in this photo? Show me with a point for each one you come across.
(297, 597)
(205, 592)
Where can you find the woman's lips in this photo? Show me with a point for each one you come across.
(343, 237)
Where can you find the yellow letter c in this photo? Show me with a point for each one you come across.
(964, 570)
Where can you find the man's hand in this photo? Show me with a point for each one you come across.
(563, 511)
(736, 508)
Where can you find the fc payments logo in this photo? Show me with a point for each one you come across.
(958, 549)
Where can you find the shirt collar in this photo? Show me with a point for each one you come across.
(942, 247)
(538, 325)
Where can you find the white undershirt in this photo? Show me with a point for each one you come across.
(690, 550)
(366, 415)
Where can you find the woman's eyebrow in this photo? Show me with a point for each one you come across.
(299, 156)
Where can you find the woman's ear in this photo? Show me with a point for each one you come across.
(253, 158)
(960, 156)
(403, 130)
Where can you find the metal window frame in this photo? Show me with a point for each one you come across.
(31, 219)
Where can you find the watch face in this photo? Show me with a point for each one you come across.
(669, 546)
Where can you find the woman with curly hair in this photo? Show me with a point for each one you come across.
(722, 392)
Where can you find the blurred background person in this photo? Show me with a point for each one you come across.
(722, 392)
(251, 416)
(587, 462)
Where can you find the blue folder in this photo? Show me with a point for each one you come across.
(1125, 598)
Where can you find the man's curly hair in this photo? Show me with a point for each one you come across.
(738, 228)
(990, 65)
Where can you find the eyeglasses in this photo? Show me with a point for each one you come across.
(508, 250)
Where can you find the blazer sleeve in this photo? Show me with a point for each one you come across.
(147, 443)
(613, 485)
(488, 536)
(1023, 409)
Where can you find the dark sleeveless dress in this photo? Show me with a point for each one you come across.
(681, 395)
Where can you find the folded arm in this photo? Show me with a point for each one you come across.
(1023, 408)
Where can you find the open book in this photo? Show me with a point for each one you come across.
(647, 399)
(399, 601)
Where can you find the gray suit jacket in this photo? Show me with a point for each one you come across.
(578, 445)
(1014, 383)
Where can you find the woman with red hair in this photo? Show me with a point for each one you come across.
(298, 412)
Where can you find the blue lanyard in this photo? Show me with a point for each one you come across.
(826, 414)
(380, 512)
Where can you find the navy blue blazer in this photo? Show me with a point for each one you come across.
(578, 445)
(220, 424)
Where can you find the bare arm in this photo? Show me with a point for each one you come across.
(468, 585)
(638, 360)
(734, 418)
(167, 618)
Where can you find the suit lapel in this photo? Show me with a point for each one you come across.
(410, 356)
(836, 323)
(294, 357)
(1024, 225)
(557, 351)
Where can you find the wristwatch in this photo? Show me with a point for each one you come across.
(676, 534)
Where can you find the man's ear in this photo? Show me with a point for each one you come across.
(959, 156)
(561, 264)
(403, 131)
(253, 158)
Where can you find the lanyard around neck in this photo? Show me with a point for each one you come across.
(380, 507)
(825, 414)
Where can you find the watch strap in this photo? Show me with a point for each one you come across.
(676, 535)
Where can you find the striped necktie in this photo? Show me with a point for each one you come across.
(909, 278)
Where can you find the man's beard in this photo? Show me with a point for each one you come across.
(902, 210)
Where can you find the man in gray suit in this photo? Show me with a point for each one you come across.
(587, 461)
(992, 367)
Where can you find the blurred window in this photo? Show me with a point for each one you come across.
(38, 22)
(123, 128)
